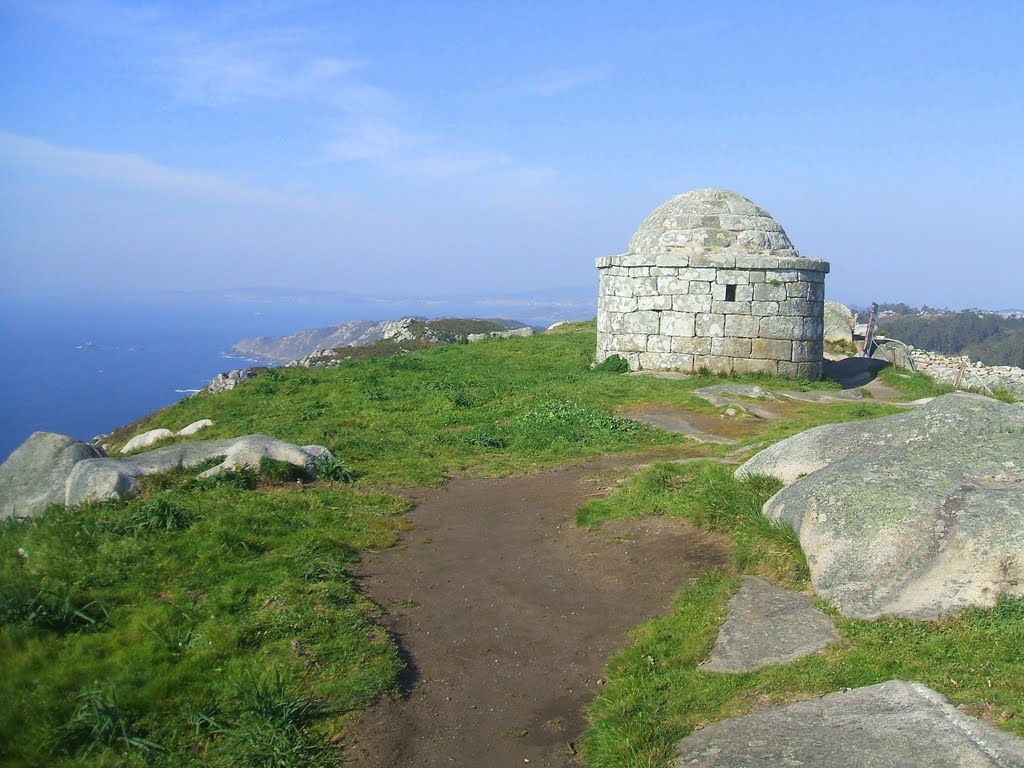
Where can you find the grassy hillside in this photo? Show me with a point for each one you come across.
(217, 622)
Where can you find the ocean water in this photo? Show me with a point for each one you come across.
(86, 368)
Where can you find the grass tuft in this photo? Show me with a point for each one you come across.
(99, 721)
(707, 495)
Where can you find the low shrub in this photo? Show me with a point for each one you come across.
(612, 364)
(329, 467)
(280, 471)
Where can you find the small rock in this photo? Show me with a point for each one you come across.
(147, 439)
(194, 427)
(768, 625)
(99, 479)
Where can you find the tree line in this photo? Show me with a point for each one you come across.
(984, 336)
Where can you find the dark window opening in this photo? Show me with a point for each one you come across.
(730, 293)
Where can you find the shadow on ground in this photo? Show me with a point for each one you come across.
(853, 372)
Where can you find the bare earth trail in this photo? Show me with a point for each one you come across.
(507, 613)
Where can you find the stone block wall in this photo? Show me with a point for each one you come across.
(727, 313)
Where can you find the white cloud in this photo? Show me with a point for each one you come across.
(226, 58)
(567, 81)
(125, 169)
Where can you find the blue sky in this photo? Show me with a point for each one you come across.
(430, 148)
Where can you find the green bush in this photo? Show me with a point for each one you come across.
(328, 467)
(158, 515)
(612, 364)
(280, 471)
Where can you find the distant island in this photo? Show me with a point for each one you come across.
(418, 331)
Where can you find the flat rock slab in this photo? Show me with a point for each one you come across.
(725, 395)
(675, 420)
(768, 625)
(823, 395)
(889, 725)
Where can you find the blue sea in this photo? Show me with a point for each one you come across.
(85, 368)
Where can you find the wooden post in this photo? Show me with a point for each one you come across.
(960, 374)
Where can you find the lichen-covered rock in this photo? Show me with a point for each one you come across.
(147, 439)
(768, 625)
(892, 724)
(920, 527)
(100, 479)
(33, 477)
(949, 419)
(839, 322)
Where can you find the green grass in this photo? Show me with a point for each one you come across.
(707, 495)
(913, 386)
(656, 693)
(144, 630)
(497, 406)
(216, 621)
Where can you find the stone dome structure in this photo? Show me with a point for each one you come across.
(709, 221)
(712, 281)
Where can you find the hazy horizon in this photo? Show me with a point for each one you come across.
(438, 149)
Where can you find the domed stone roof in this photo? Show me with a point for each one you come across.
(708, 221)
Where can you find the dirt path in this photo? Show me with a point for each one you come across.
(507, 613)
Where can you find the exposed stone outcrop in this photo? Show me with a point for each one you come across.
(839, 321)
(918, 514)
(524, 331)
(893, 724)
(768, 625)
(34, 476)
(318, 358)
(953, 418)
(105, 478)
(223, 382)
